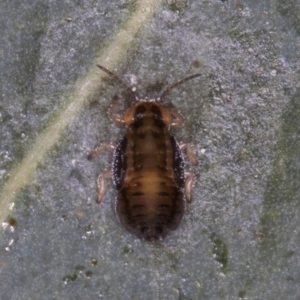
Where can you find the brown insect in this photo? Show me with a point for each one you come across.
(147, 168)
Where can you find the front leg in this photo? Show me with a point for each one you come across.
(178, 118)
(113, 111)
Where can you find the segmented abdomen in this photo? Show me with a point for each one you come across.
(149, 174)
(150, 211)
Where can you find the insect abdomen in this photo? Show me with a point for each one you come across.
(150, 201)
(150, 208)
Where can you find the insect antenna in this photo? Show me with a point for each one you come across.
(120, 81)
(176, 84)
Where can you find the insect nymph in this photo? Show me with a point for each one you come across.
(147, 168)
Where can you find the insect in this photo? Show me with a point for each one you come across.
(147, 168)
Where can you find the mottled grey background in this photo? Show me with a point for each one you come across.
(240, 237)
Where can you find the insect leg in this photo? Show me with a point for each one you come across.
(189, 184)
(113, 111)
(102, 184)
(100, 149)
(178, 118)
(191, 155)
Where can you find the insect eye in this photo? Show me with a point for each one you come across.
(140, 112)
(156, 111)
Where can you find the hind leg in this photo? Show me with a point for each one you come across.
(189, 185)
(189, 176)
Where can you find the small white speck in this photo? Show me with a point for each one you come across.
(2, 173)
(273, 73)
(11, 205)
(133, 79)
(73, 161)
(4, 225)
(202, 151)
